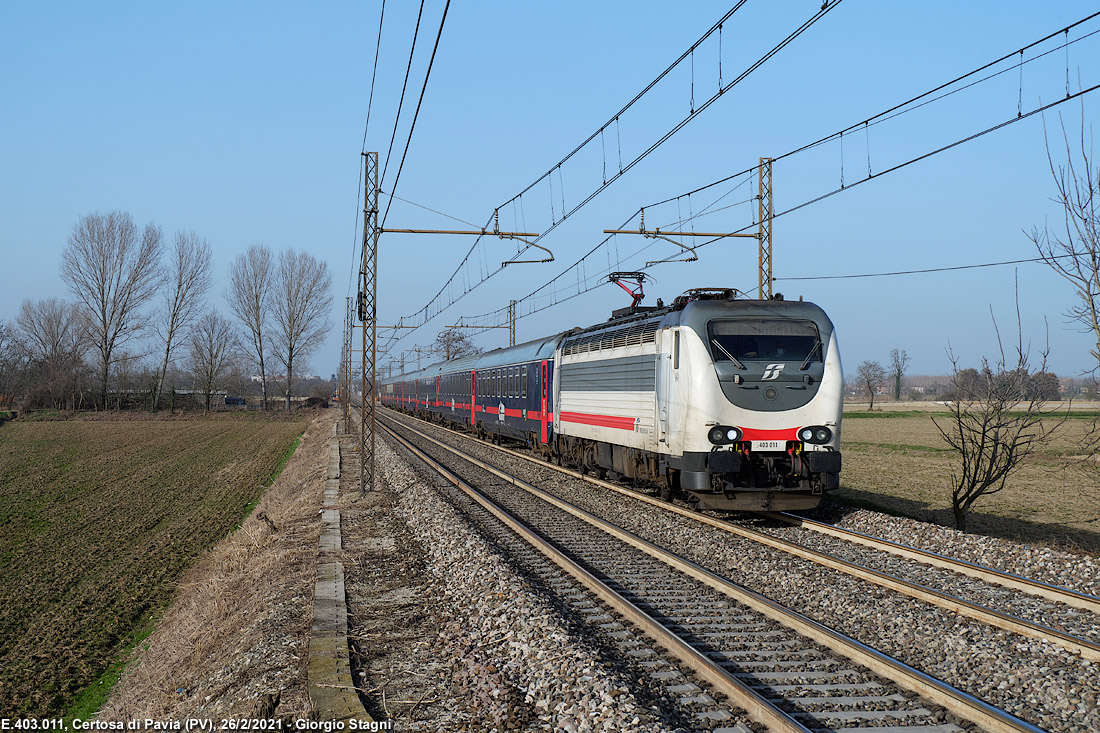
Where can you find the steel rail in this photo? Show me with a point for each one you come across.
(1086, 649)
(958, 702)
(757, 707)
(1048, 591)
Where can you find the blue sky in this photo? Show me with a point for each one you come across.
(244, 122)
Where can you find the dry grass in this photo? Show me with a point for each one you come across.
(901, 464)
(238, 629)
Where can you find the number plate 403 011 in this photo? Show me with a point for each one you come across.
(769, 445)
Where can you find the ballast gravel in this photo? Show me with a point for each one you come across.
(1069, 570)
(514, 657)
(1032, 679)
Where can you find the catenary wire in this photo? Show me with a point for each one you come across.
(918, 272)
(426, 310)
(416, 114)
(401, 101)
(969, 138)
(905, 107)
(356, 255)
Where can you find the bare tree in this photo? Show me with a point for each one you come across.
(993, 427)
(899, 362)
(300, 307)
(13, 363)
(872, 375)
(1075, 255)
(210, 348)
(251, 281)
(188, 279)
(454, 344)
(53, 332)
(113, 271)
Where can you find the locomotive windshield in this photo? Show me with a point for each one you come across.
(772, 339)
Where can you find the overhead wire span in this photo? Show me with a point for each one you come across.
(910, 105)
(428, 208)
(356, 241)
(921, 272)
(416, 114)
(401, 101)
(1020, 116)
(426, 310)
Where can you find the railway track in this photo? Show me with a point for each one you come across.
(993, 576)
(1047, 612)
(787, 671)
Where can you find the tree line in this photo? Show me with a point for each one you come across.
(965, 384)
(140, 321)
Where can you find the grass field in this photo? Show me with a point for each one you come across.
(896, 460)
(98, 519)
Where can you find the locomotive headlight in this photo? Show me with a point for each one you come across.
(723, 434)
(815, 434)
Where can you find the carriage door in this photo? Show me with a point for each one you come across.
(473, 399)
(543, 381)
(663, 366)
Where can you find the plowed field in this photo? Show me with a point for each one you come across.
(98, 519)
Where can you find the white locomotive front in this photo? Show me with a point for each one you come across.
(736, 403)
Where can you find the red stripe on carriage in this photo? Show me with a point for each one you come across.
(785, 434)
(603, 421)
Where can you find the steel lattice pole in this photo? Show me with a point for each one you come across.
(765, 230)
(345, 368)
(368, 313)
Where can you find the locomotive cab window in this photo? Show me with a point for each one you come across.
(767, 339)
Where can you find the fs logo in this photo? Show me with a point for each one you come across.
(772, 371)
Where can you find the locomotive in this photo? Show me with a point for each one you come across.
(731, 403)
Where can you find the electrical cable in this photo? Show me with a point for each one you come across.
(428, 208)
(918, 272)
(426, 309)
(822, 197)
(401, 101)
(423, 89)
(905, 107)
(356, 243)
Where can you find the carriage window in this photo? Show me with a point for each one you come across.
(523, 383)
(676, 351)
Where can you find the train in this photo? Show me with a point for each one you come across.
(727, 402)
